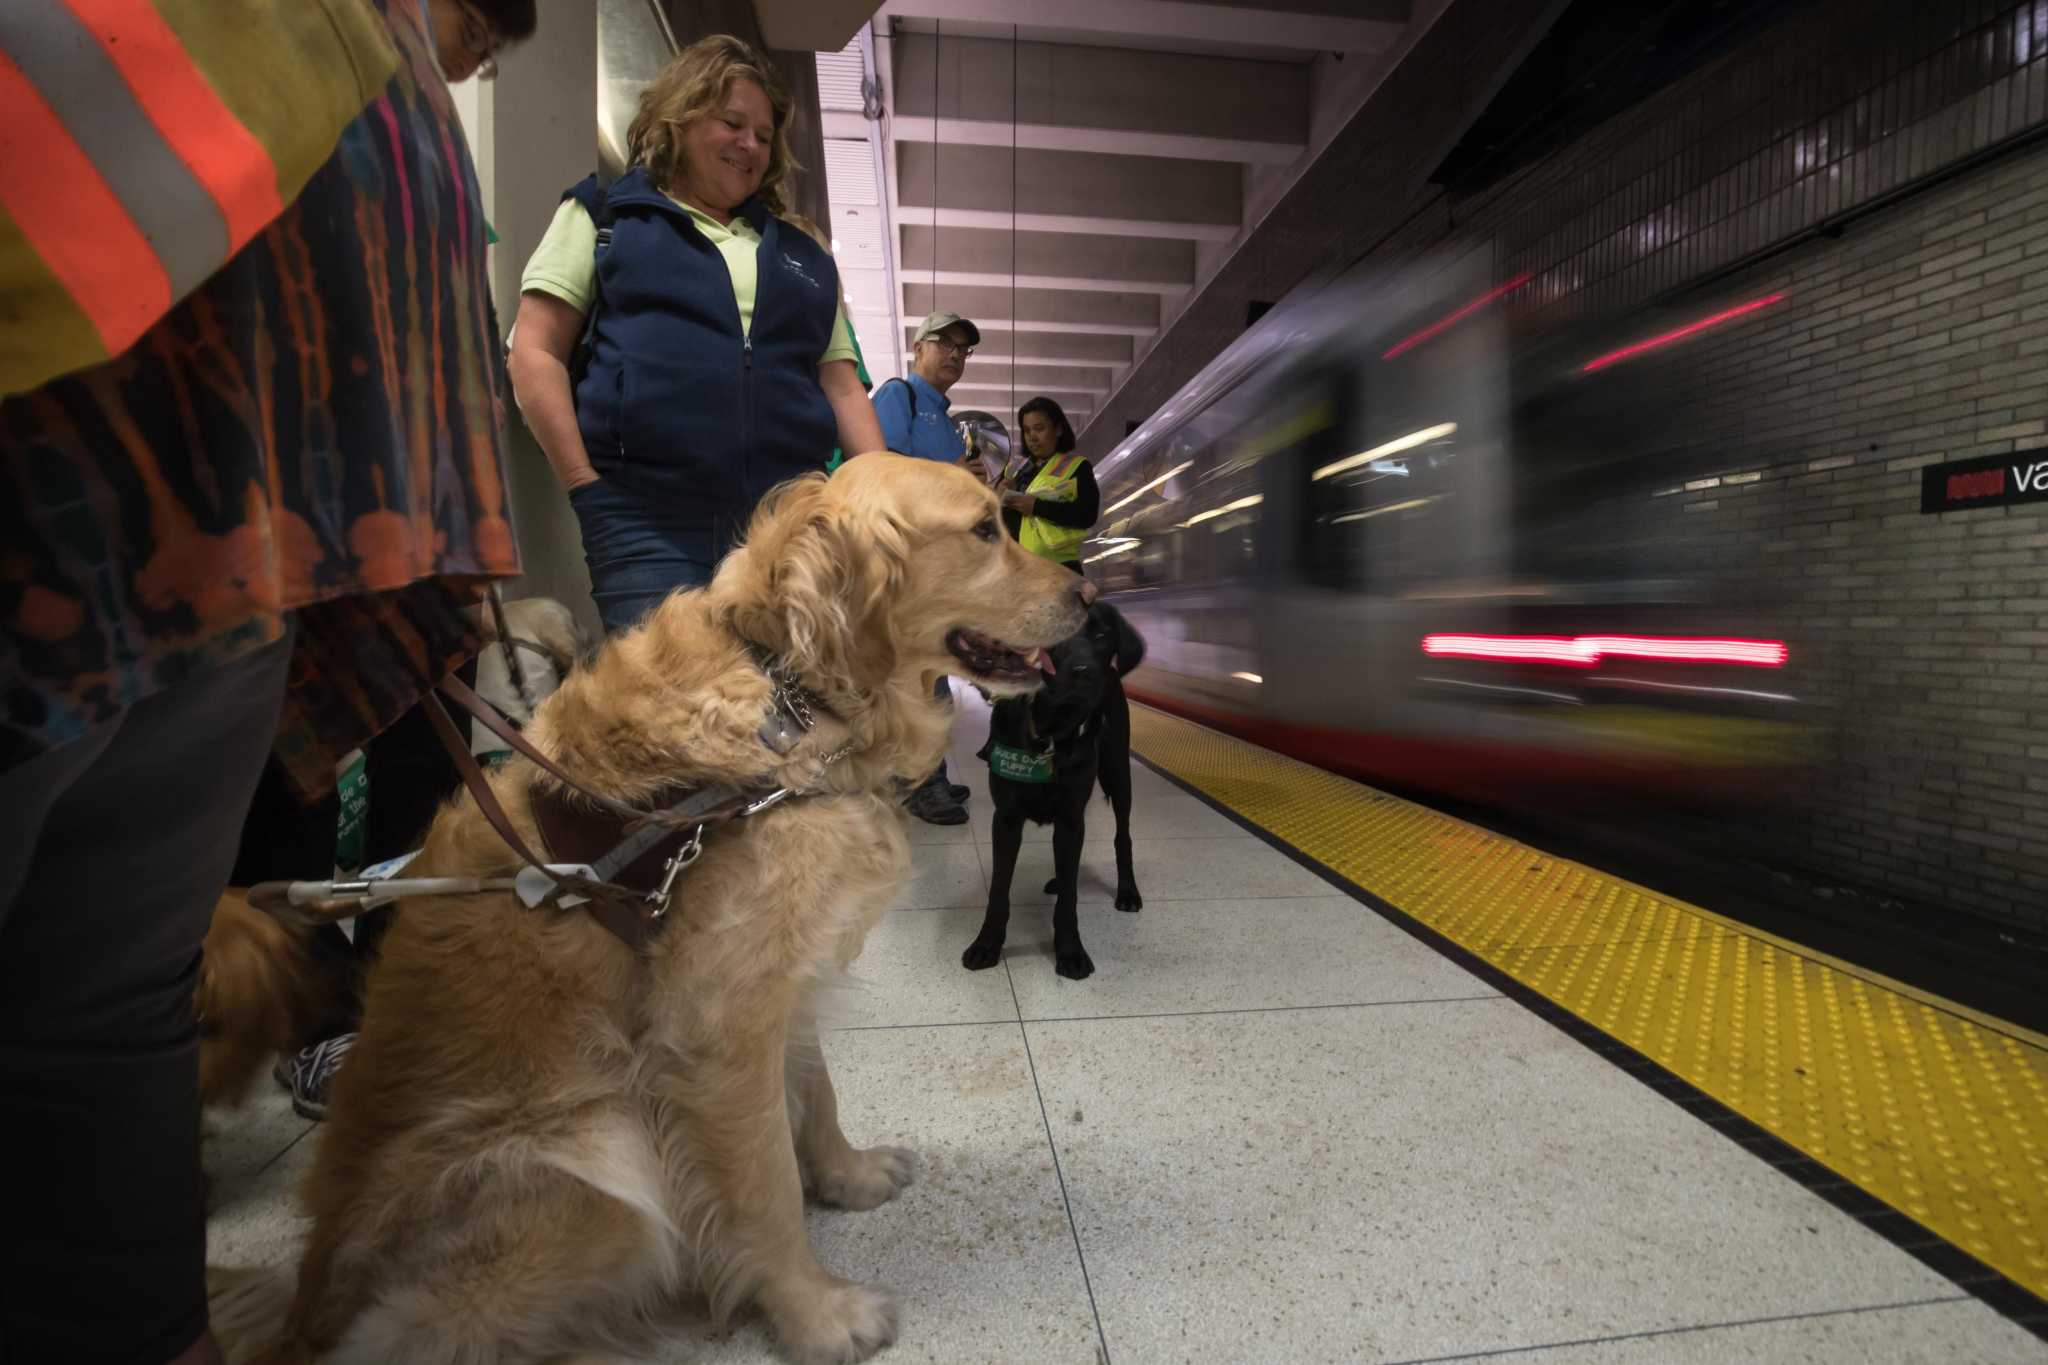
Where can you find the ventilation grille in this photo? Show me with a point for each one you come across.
(850, 173)
(839, 78)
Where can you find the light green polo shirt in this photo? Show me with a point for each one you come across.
(565, 265)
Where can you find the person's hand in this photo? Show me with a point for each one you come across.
(1023, 503)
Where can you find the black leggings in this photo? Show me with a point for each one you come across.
(113, 852)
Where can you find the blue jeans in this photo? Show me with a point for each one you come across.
(638, 551)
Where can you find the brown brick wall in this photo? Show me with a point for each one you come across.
(1916, 340)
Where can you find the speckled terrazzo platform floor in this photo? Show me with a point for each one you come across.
(1272, 1127)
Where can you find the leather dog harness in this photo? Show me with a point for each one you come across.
(620, 862)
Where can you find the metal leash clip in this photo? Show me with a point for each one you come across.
(684, 856)
(781, 794)
(756, 807)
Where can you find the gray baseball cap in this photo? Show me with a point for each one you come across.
(939, 322)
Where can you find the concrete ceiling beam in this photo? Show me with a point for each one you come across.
(1134, 22)
(1141, 264)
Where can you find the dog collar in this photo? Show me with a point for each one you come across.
(794, 709)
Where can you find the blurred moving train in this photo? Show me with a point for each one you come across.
(1383, 534)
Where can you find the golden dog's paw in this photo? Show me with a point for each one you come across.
(842, 1323)
(868, 1179)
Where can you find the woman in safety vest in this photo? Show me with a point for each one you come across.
(1058, 501)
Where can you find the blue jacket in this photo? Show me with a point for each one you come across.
(677, 405)
(929, 434)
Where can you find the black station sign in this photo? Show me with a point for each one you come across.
(1987, 481)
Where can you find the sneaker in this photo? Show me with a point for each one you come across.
(310, 1073)
(934, 805)
(960, 793)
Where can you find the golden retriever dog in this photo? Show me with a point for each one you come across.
(544, 1144)
(257, 996)
(258, 993)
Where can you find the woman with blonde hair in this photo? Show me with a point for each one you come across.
(711, 358)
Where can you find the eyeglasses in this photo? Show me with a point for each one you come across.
(964, 352)
(480, 43)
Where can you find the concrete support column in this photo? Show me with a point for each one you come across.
(536, 133)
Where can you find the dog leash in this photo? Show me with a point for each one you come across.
(599, 884)
(602, 884)
(513, 672)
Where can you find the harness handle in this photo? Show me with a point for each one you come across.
(631, 916)
(459, 692)
(628, 917)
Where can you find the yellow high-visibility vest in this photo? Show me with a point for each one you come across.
(1054, 482)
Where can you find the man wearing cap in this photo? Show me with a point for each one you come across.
(916, 418)
(915, 412)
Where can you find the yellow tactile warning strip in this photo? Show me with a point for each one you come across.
(1937, 1111)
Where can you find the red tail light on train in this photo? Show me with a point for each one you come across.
(1586, 651)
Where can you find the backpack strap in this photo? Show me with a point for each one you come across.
(909, 390)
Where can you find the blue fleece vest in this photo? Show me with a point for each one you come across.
(677, 404)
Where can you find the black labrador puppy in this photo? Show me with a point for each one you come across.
(1045, 754)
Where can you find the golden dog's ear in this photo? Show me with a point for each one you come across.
(819, 582)
(841, 578)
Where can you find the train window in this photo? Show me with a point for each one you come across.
(1153, 563)
(1218, 522)
(1113, 561)
(1132, 546)
(1200, 524)
(1374, 516)
(1224, 531)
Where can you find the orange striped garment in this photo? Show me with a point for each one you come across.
(311, 433)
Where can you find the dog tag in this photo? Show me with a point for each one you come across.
(1020, 765)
